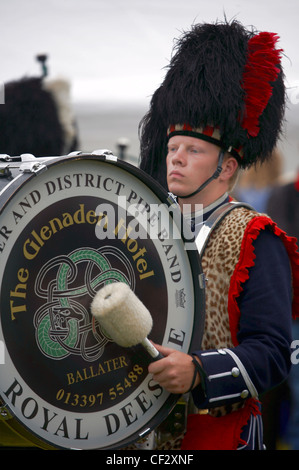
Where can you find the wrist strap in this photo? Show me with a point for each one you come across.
(197, 370)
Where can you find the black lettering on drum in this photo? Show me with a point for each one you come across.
(4, 233)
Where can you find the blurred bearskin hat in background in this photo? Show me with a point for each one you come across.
(224, 84)
(37, 118)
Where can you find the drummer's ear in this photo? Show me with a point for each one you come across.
(229, 167)
(230, 172)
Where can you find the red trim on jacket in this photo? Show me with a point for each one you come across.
(206, 432)
(246, 261)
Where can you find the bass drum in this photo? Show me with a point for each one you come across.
(68, 226)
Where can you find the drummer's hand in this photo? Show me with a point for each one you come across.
(175, 371)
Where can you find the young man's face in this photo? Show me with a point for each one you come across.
(190, 162)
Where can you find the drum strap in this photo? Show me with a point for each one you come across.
(213, 221)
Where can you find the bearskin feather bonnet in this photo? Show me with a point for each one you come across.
(225, 84)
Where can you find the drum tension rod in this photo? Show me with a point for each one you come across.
(4, 413)
(7, 158)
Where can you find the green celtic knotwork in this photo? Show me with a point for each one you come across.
(63, 323)
(52, 348)
(108, 275)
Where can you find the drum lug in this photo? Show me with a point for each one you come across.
(75, 153)
(32, 167)
(111, 158)
(4, 413)
(102, 152)
(31, 164)
(105, 153)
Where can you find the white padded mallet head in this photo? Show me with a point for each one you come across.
(123, 316)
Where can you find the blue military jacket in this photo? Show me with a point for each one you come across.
(261, 359)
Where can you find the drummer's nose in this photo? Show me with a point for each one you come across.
(177, 154)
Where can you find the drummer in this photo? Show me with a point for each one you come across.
(219, 110)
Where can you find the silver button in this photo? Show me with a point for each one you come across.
(244, 394)
(235, 372)
(221, 351)
(178, 425)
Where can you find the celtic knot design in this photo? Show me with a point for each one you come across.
(68, 283)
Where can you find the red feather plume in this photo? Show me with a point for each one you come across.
(260, 70)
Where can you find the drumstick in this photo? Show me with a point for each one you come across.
(124, 317)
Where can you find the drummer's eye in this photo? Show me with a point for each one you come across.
(172, 149)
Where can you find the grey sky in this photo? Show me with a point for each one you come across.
(116, 50)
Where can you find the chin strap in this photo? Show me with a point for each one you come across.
(213, 177)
